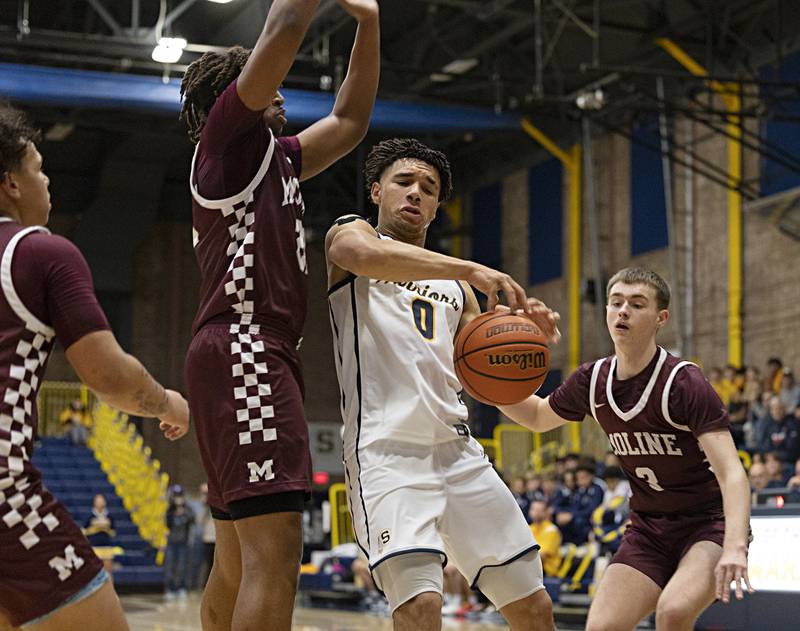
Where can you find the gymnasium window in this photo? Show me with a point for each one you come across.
(648, 206)
(545, 222)
(782, 135)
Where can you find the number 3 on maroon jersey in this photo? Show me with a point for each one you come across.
(649, 476)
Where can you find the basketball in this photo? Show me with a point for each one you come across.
(501, 358)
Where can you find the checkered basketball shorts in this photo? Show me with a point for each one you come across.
(44, 557)
(246, 398)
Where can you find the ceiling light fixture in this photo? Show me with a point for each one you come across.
(169, 49)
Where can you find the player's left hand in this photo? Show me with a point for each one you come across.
(732, 567)
(542, 315)
(360, 9)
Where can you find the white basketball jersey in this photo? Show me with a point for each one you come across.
(393, 346)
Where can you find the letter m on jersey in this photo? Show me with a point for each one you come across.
(260, 472)
(65, 565)
(291, 191)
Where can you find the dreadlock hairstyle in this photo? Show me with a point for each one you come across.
(15, 134)
(205, 79)
(386, 153)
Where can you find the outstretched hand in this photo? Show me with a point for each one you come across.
(175, 422)
(542, 315)
(360, 9)
(491, 282)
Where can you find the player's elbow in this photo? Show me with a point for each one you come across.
(351, 252)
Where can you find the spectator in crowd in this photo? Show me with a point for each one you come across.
(77, 421)
(731, 382)
(180, 520)
(564, 494)
(533, 486)
(547, 535)
(571, 461)
(790, 394)
(550, 487)
(608, 520)
(517, 487)
(781, 433)
(458, 597)
(715, 379)
(737, 411)
(575, 522)
(99, 530)
(759, 478)
(362, 577)
(773, 376)
(616, 486)
(777, 469)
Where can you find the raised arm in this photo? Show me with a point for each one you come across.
(120, 380)
(337, 134)
(354, 247)
(721, 453)
(274, 52)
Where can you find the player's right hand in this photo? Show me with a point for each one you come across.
(360, 9)
(175, 422)
(491, 282)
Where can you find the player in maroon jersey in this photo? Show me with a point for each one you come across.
(50, 579)
(690, 506)
(242, 369)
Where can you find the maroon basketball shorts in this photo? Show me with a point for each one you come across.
(655, 545)
(44, 558)
(246, 399)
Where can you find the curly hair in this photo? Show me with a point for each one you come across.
(386, 153)
(204, 80)
(15, 133)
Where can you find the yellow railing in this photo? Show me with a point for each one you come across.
(341, 522)
(136, 476)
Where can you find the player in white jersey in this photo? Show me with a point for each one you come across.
(420, 488)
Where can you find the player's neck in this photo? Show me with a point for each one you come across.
(10, 211)
(632, 361)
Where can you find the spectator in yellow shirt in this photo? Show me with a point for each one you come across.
(547, 535)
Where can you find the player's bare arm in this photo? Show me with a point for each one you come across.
(274, 51)
(721, 453)
(534, 413)
(354, 247)
(334, 136)
(119, 379)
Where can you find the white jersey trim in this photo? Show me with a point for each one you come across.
(665, 397)
(593, 386)
(216, 204)
(23, 313)
(627, 416)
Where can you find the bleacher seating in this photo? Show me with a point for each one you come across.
(74, 476)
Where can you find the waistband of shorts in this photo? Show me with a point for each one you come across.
(268, 326)
(710, 509)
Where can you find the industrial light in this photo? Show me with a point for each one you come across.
(169, 49)
(460, 66)
(221, 1)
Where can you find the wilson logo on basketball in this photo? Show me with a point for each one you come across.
(523, 360)
(511, 328)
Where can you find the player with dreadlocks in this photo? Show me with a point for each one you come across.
(242, 368)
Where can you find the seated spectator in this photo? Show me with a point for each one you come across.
(715, 379)
(533, 486)
(99, 527)
(547, 535)
(99, 530)
(773, 375)
(575, 521)
(76, 421)
(777, 470)
(572, 460)
(731, 382)
(611, 460)
(550, 487)
(781, 433)
(564, 494)
(759, 478)
(517, 487)
(790, 393)
(616, 486)
(737, 412)
(610, 518)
